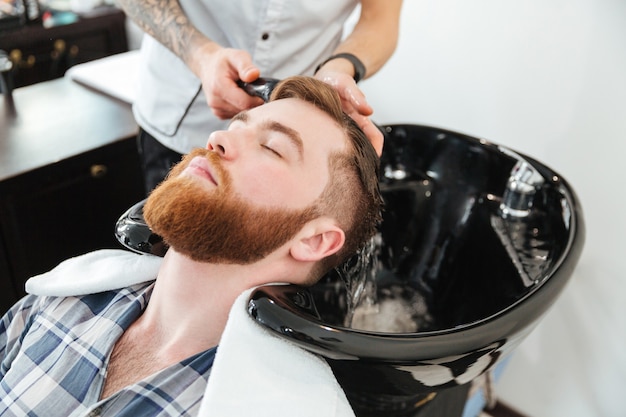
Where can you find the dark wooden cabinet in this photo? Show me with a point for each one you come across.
(66, 209)
(41, 54)
(7, 289)
(65, 178)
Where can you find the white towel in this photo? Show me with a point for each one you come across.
(102, 270)
(254, 373)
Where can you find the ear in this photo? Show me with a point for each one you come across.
(317, 240)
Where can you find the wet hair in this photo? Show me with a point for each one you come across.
(352, 195)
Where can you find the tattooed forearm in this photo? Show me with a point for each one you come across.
(165, 21)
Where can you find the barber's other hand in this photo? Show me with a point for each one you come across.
(219, 69)
(354, 104)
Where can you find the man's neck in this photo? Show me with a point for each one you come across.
(186, 314)
(191, 301)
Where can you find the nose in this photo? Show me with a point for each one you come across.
(222, 143)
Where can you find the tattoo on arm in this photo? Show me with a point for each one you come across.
(165, 21)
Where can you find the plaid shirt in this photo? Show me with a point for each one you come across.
(54, 353)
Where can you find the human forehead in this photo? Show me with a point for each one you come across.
(315, 127)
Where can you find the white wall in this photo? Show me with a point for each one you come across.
(547, 78)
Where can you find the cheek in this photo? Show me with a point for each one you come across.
(266, 184)
(272, 186)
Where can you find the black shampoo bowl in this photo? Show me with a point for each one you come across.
(476, 244)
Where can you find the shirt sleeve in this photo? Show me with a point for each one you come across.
(13, 325)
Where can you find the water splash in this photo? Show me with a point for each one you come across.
(398, 310)
(393, 308)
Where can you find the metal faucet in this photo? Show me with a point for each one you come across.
(521, 188)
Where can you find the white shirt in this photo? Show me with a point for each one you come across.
(284, 37)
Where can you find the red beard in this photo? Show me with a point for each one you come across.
(216, 225)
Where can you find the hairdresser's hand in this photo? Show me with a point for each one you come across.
(219, 69)
(354, 104)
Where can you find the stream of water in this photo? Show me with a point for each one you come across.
(392, 309)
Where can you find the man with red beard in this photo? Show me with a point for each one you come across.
(285, 194)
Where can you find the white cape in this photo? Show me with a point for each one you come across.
(254, 373)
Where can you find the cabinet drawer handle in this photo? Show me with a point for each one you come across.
(16, 57)
(58, 49)
(98, 170)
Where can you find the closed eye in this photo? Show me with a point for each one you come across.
(294, 141)
(272, 150)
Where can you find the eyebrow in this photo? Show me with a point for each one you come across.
(293, 135)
